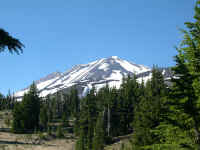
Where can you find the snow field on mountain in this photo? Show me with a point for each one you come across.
(97, 73)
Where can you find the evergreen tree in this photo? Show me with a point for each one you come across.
(2, 100)
(58, 104)
(65, 120)
(49, 108)
(31, 105)
(43, 117)
(81, 142)
(179, 126)
(114, 113)
(76, 128)
(129, 93)
(29, 111)
(149, 112)
(98, 139)
(75, 102)
(185, 93)
(10, 101)
(7, 41)
(17, 124)
(87, 121)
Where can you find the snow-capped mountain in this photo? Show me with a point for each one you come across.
(145, 76)
(95, 74)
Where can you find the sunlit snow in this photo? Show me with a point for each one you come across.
(97, 73)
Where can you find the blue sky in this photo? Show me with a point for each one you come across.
(60, 34)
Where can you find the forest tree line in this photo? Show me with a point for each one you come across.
(153, 113)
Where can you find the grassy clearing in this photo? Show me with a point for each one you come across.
(10, 141)
(36, 141)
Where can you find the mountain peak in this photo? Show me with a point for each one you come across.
(114, 57)
(94, 74)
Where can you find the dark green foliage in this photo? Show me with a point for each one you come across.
(54, 107)
(31, 105)
(76, 128)
(99, 135)
(49, 130)
(149, 112)
(107, 114)
(65, 121)
(43, 117)
(59, 132)
(17, 125)
(58, 105)
(74, 101)
(2, 102)
(128, 96)
(9, 42)
(26, 113)
(176, 124)
(81, 142)
(185, 93)
(87, 121)
(7, 103)
(49, 109)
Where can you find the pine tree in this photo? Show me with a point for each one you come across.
(99, 135)
(7, 41)
(129, 95)
(65, 120)
(43, 117)
(149, 111)
(75, 102)
(58, 101)
(114, 113)
(87, 121)
(54, 109)
(2, 99)
(186, 87)
(31, 105)
(81, 142)
(76, 128)
(49, 108)
(17, 124)
(29, 111)
(49, 130)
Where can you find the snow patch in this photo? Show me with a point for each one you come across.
(115, 75)
(144, 79)
(114, 57)
(45, 83)
(131, 67)
(164, 71)
(104, 67)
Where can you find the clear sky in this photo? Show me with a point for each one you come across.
(59, 34)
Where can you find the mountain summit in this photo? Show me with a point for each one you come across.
(94, 74)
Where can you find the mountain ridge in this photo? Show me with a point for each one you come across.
(96, 74)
